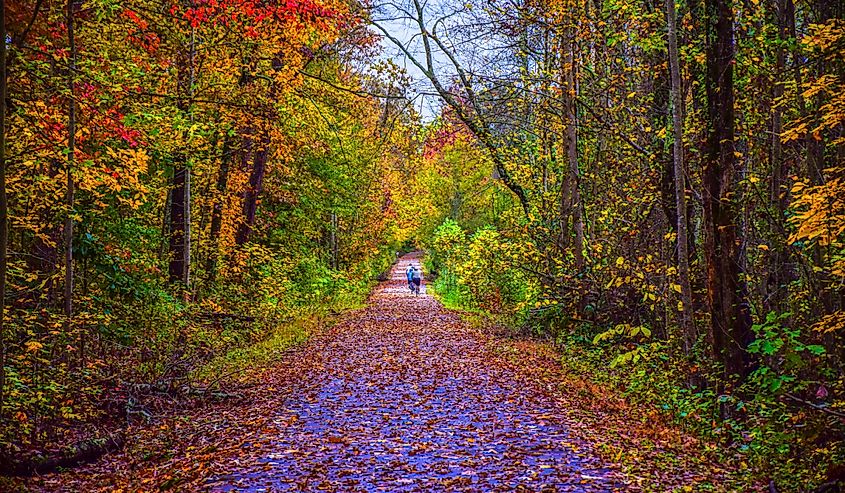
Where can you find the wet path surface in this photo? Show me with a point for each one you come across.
(402, 396)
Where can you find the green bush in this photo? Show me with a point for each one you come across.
(479, 271)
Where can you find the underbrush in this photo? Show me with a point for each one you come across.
(783, 425)
(241, 362)
(761, 426)
(140, 347)
(761, 435)
(479, 272)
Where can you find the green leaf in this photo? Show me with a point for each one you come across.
(815, 349)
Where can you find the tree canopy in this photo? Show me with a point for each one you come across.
(657, 186)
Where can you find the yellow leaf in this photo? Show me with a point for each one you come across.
(32, 346)
(763, 247)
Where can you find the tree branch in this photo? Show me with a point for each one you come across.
(475, 125)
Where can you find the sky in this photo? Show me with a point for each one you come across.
(426, 103)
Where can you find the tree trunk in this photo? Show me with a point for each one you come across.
(4, 208)
(71, 155)
(180, 209)
(179, 232)
(684, 318)
(217, 210)
(256, 184)
(333, 240)
(776, 155)
(43, 254)
(730, 324)
(571, 197)
(778, 195)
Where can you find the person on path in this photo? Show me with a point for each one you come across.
(417, 280)
(409, 274)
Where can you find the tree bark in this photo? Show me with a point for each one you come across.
(4, 208)
(776, 153)
(71, 155)
(179, 242)
(571, 196)
(256, 185)
(730, 324)
(572, 155)
(217, 210)
(180, 210)
(333, 240)
(685, 321)
(778, 194)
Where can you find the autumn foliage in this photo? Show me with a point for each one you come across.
(656, 187)
(228, 174)
(741, 339)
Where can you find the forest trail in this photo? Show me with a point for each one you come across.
(403, 396)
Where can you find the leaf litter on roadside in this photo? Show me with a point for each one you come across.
(399, 396)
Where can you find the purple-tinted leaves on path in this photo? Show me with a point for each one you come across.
(402, 396)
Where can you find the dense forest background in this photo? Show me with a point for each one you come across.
(184, 180)
(657, 187)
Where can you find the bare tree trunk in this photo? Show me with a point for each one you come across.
(776, 156)
(179, 243)
(778, 195)
(186, 252)
(573, 174)
(565, 212)
(333, 240)
(256, 185)
(217, 210)
(687, 328)
(180, 209)
(4, 207)
(730, 324)
(71, 155)
(43, 254)
(164, 248)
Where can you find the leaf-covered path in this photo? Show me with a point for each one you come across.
(402, 396)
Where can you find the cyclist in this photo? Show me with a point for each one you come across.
(417, 280)
(409, 274)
